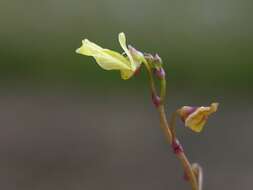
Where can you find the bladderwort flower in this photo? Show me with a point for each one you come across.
(112, 60)
(196, 117)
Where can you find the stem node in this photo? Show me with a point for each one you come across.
(177, 147)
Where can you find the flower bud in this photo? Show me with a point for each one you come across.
(158, 59)
(149, 57)
(159, 72)
(155, 61)
(156, 100)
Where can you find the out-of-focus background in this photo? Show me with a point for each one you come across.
(67, 124)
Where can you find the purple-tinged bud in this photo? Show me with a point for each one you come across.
(156, 100)
(177, 147)
(159, 72)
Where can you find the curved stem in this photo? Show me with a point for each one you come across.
(167, 129)
(199, 173)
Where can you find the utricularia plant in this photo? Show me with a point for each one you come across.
(129, 63)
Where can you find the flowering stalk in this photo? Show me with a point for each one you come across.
(129, 64)
(167, 129)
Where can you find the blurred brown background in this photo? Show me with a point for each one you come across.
(67, 124)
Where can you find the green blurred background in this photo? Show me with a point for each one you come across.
(68, 124)
(201, 42)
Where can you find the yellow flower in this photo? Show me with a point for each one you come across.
(111, 60)
(196, 117)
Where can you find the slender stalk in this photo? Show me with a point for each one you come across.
(167, 129)
(199, 173)
(173, 124)
(181, 155)
(164, 124)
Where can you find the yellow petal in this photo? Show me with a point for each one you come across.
(196, 122)
(107, 59)
(213, 107)
(198, 117)
(126, 74)
(122, 41)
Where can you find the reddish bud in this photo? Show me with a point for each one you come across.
(177, 147)
(156, 100)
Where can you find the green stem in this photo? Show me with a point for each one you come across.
(163, 90)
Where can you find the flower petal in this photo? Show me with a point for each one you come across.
(122, 41)
(126, 74)
(196, 117)
(107, 59)
(213, 107)
(196, 122)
